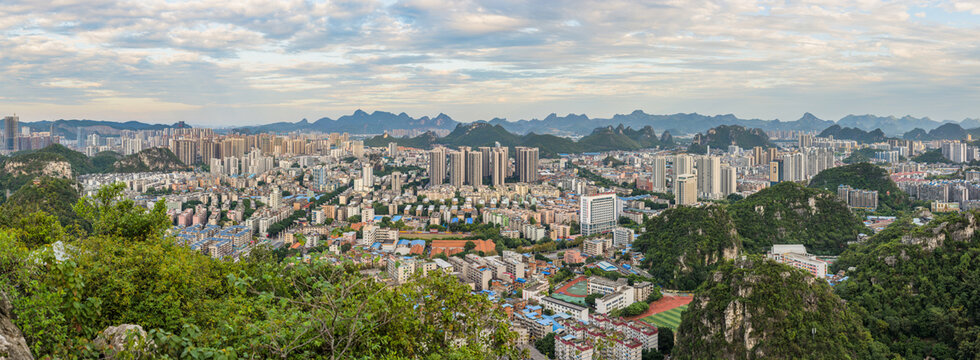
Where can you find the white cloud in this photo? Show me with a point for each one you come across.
(716, 56)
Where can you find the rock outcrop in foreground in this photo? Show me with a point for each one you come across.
(12, 343)
(758, 309)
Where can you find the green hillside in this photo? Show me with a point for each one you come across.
(867, 177)
(684, 244)
(22, 167)
(722, 136)
(919, 287)
(759, 309)
(788, 213)
(484, 134)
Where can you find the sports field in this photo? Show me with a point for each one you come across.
(670, 318)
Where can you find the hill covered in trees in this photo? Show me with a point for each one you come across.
(856, 134)
(722, 136)
(759, 309)
(684, 244)
(484, 134)
(919, 287)
(59, 161)
(122, 268)
(864, 176)
(788, 213)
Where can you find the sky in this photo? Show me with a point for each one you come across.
(232, 63)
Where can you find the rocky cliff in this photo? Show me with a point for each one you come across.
(12, 343)
(755, 308)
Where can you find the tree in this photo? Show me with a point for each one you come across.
(469, 246)
(546, 345)
(590, 299)
(665, 340)
(345, 248)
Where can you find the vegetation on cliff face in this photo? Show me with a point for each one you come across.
(126, 270)
(864, 176)
(683, 245)
(59, 161)
(759, 309)
(788, 213)
(919, 287)
(149, 160)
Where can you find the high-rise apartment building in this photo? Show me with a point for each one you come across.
(527, 164)
(659, 177)
(728, 180)
(367, 175)
(683, 164)
(396, 181)
(186, 151)
(686, 189)
(598, 213)
(709, 177)
(498, 166)
(474, 168)
(437, 166)
(10, 125)
(457, 168)
(806, 140)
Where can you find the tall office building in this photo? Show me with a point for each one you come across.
(686, 189)
(457, 168)
(659, 177)
(474, 168)
(367, 175)
(527, 164)
(10, 124)
(498, 166)
(709, 177)
(776, 171)
(437, 166)
(728, 180)
(598, 213)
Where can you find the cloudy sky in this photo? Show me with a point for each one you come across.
(219, 62)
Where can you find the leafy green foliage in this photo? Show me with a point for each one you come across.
(934, 156)
(861, 155)
(757, 308)
(788, 213)
(919, 287)
(546, 345)
(684, 244)
(125, 270)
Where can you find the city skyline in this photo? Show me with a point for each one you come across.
(260, 62)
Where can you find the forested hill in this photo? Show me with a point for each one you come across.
(864, 176)
(758, 309)
(722, 136)
(485, 134)
(684, 244)
(788, 213)
(919, 287)
(59, 161)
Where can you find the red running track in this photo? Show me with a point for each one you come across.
(564, 288)
(665, 303)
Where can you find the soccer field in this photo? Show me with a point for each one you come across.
(670, 318)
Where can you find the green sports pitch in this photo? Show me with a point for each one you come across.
(670, 318)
